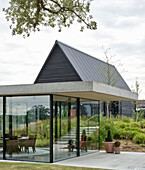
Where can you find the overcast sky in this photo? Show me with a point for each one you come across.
(121, 27)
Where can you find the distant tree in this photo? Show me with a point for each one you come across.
(27, 16)
(110, 76)
(137, 87)
(38, 112)
(138, 91)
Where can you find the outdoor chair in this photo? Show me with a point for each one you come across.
(30, 142)
(70, 145)
(24, 135)
(12, 145)
(22, 143)
(83, 143)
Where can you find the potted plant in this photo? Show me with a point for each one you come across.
(117, 148)
(109, 144)
(89, 142)
(84, 132)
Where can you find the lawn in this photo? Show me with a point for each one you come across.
(31, 166)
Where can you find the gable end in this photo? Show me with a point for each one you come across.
(57, 68)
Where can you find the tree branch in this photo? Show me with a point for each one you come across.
(37, 13)
(47, 9)
(63, 9)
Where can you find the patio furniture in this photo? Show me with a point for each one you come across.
(22, 142)
(30, 142)
(12, 145)
(70, 145)
(24, 135)
(83, 143)
(6, 135)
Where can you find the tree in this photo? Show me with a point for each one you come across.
(28, 16)
(38, 112)
(110, 76)
(138, 91)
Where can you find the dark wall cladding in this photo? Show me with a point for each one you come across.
(57, 69)
(125, 108)
(128, 107)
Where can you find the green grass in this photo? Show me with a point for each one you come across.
(31, 166)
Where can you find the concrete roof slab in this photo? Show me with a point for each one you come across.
(80, 89)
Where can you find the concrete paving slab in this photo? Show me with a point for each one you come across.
(123, 161)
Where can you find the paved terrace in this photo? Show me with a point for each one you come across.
(123, 161)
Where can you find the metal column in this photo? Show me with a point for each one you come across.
(78, 126)
(51, 128)
(4, 116)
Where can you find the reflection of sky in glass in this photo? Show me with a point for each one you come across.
(20, 105)
(1, 106)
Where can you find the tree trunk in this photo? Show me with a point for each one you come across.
(137, 116)
(108, 110)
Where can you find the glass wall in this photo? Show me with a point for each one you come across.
(89, 126)
(1, 128)
(64, 127)
(27, 128)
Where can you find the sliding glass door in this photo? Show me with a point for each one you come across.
(64, 127)
(89, 126)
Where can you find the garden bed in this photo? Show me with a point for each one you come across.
(126, 130)
(129, 146)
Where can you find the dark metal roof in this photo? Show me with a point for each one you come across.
(90, 68)
(87, 67)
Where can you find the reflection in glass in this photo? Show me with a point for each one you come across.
(89, 127)
(1, 128)
(27, 128)
(64, 127)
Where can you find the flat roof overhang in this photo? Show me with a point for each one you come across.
(80, 89)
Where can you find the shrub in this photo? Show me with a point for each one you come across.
(109, 137)
(122, 125)
(117, 144)
(134, 124)
(142, 124)
(127, 128)
(137, 129)
(105, 125)
(89, 138)
(103, 134)
(118, 133)
(125, 134)
(126, 119)
(92, 138)
(42, 143)
(132, 134)
(140, 115)
(139, 138)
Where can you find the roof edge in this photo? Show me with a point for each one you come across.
(82, 52)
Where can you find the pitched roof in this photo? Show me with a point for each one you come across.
(90, 68)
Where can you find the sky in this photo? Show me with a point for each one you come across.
(120, 27)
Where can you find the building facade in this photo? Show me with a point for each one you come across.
(57, 117)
